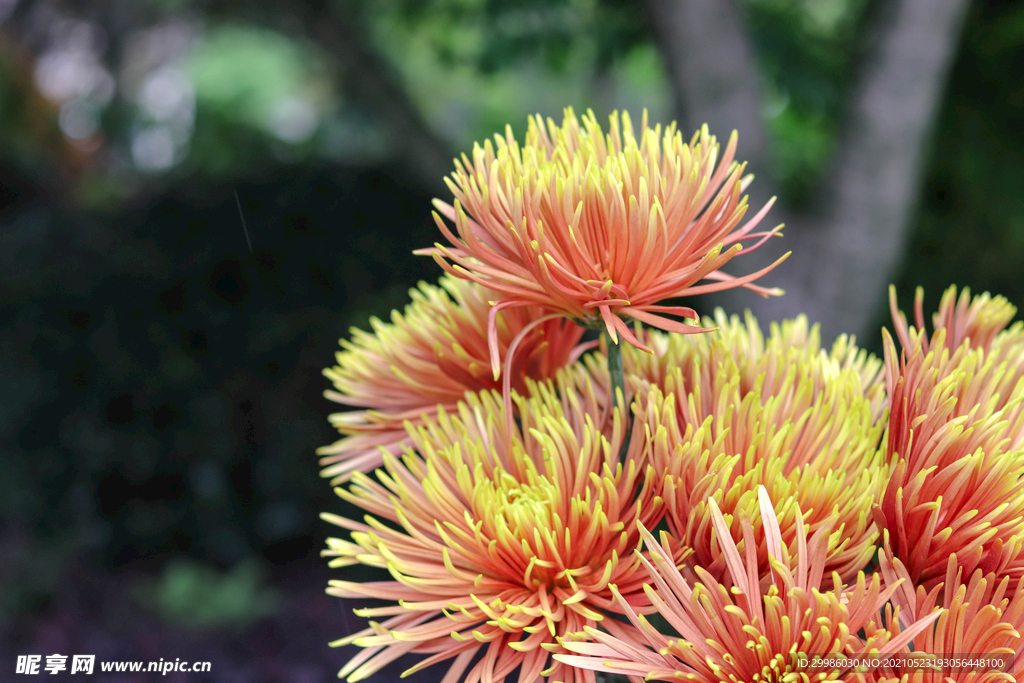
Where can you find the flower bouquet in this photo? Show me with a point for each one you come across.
(666, 496)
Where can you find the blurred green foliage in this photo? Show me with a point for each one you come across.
(494, 35)
(195, 595)
(475, 65)
(248, 76)
(29, 572)
(806, 50)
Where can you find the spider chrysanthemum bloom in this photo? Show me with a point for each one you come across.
(743, 343)
(737, 411)
(957, 428)
(429, 356)
(971, 338)
(979, 319)
(757, 631)
(497, 549)
(981, 617)
(599, 227)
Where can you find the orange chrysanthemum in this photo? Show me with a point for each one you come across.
(430, 356)
(598, 227)
(983, 617)
(977, 341)
(497, 549)
(759, 630)
(979, 319)
(742, 341)
(735, 411)
(957, 427)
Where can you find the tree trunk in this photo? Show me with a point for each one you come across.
(847, 245)
(711, 64)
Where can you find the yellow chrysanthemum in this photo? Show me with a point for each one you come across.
(429, 356)
(733, 410)
(497, 546)
(760, 630)
(982, 618)
(595, 226)
(979, 319)
(957, 428)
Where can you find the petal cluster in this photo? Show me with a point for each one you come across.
(426, 357)
(496, 547)
(978, 319)
(599, 226)
(758, 630)
(982, 616)
(518, 544)
(957, 431)
(733, 411)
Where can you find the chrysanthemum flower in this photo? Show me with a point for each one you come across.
(497, 550)
(957, 427)
(599, 227)
(757, 631)
(742, 341)
(979, 319)
(430, 356)
(983, 616)
(970, 339)
(735, 411)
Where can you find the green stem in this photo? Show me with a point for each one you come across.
(615, 372)
(618, 386)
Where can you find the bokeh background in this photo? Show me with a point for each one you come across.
(199, 197)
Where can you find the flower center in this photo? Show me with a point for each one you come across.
(528, 523)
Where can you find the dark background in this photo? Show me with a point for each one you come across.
(160, 387)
